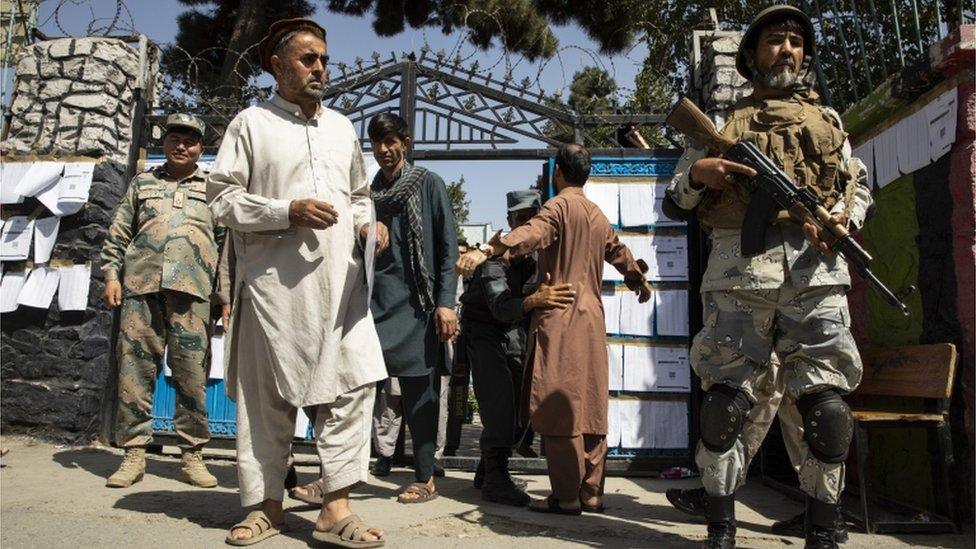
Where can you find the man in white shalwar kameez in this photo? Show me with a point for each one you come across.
(289, 180)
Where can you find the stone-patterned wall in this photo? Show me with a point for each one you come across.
(715, 84)
(74, 97)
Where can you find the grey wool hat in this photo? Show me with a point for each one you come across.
(521, 200)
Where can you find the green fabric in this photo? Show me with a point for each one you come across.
(890, 237)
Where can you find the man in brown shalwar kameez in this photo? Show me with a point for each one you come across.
(566, 375)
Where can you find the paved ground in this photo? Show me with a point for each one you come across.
(55, 497)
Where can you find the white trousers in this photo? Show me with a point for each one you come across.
(266, 423)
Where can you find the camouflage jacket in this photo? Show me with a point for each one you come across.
(788, 256)
(163, 237)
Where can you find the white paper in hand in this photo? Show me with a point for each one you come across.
(369, 254)
(216, 357)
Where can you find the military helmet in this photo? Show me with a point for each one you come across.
(751, 36)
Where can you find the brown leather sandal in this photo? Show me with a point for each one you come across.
(260, 526)
(424, 494)
(348, 532)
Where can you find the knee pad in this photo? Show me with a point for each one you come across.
(827, 425)
(723, 414)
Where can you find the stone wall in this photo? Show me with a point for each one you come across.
(715, 84)
(73, 97)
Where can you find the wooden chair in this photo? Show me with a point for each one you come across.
(922, 374)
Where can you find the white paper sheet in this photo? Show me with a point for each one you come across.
(301, 424)
(10, 175)
(610, 273)
(636, 424)
(73, 287)
(74, 188)
(606, 196)
(913, 142)
(670, 420)
(45, 234)
(611, 311)
(671, 311)
(636, 205)
(670, 258)
(866, 153)
(40, 287)
(615, 359)
(641, 247)
(660, 219)
(40, 177)
(656, 369)
(636, 319)
(886, 158)
(613, 423)
(940, 116)
(216, 357)
(15, 238)
(10, 287)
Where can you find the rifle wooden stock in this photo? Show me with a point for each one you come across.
(688, 119)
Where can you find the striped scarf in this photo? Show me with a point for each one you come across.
(403, 196)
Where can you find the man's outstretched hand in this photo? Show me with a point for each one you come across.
(312, 213)
(468, 262)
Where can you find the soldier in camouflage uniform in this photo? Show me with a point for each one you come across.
(789, 299)
(159, 261)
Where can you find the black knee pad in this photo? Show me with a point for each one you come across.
(723, 413)
(827, 425)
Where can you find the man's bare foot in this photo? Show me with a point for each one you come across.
(272, 508)
(411, 496)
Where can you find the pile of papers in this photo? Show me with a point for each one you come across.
(35, 287)
(631, 204)
(644, 424)
(913, 143)
(666, 257)
(667, 311)
(644, 368)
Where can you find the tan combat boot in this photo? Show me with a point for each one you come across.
(194, 472)
(132, 469)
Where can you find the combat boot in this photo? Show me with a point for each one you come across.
(499, 487)
(193, 471)
(821, 524)
(688, 500)
(720, 513)
(131, 470)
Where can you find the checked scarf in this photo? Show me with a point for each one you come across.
(403, 196)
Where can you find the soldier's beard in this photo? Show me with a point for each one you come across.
(784, 79)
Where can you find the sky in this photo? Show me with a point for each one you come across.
(486, 182)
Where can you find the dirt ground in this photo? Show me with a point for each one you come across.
(54, 496)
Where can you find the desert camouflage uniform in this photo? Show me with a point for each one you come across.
(163, 245)
(789, 300)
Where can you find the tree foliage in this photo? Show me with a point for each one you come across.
(214, 56)
(459, 203)
(516, 25)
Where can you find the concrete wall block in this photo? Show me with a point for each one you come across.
(27, 67)
(103, 73)
(49, 69)
(54, 88)
(84, 46)
(726, 45)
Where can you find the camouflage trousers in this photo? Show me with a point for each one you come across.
(178, 323)
(775, 345)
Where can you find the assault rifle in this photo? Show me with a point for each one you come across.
(770, 187)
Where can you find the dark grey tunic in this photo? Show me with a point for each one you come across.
(410, 345)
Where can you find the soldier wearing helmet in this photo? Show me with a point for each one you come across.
(780, 314)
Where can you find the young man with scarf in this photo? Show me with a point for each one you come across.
(415, 287)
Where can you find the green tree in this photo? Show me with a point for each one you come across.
(590, 93)
(459, 203)
(214, 58)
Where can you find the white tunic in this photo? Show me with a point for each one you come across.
(308, 286)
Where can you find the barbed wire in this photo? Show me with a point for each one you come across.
(104, 17)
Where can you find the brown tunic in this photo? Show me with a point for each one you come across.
(566, 376)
